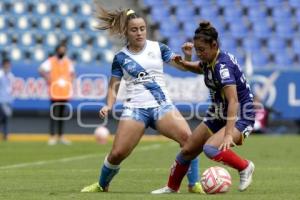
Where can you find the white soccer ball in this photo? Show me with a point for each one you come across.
(101, 134)
(216, 180)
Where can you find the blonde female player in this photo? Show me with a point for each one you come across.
(140, 64)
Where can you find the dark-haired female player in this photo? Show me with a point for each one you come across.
(229, 119)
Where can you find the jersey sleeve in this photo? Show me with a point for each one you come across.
(166, 52)
(225, 75)
(116, 69)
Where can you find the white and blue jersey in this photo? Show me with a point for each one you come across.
(143, 74)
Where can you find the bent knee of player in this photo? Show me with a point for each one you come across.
(116, 156)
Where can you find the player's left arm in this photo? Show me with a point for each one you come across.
(232, 110)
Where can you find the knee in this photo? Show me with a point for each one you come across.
(116, 156)
(187, 153)
(183, 137)
(210, 151)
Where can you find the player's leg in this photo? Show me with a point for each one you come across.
(190, 150)
(52, 123)
(228, 157)
(169, 116)
(129, 133)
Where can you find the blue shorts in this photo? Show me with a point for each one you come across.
(245, 126)
(148, 116)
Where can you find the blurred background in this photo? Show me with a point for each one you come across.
(264, 35)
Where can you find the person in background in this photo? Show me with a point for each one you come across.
(262, 116)
(59, 73)
(6, 97)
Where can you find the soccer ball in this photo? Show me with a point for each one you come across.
(216, 180)
(101, 134)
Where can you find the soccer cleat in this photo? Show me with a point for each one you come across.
(246, 176)
(65, 141)
(93, 188)
(164, 190)
(197, 188)
(52, 141)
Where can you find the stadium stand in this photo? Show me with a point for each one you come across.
(267, 29)
(31, 29)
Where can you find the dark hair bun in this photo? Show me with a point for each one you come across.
(204, 25)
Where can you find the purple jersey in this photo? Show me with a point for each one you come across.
(226, 71)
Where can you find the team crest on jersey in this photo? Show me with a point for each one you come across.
(224, 72)
(151, 54)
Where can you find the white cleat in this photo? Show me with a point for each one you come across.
(52, 141)
(246, 176)
(164, 190)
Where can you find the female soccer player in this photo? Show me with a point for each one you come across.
(229, 119)
(140, 64)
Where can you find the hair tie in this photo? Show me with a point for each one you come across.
(129, 12)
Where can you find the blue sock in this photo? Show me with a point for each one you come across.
(193, 172)
(108, 171)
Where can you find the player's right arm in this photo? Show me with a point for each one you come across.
(187, 63)
(113, 87)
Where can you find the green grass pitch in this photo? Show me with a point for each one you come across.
(33, 170)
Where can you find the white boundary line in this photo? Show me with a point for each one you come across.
(69, 159)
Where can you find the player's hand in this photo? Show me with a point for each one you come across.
(104, 111)
(227, 143)
(178, 59)
(187, 49)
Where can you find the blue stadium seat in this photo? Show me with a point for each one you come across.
(70, 24)
(41, 8)
(51, 39)
(257, 14)
(261, 29)
(259, 59)
(184, 14)
(238, 30)
(178, 3)
(232, 14)
(285, 30)
(202, 4)
(276, 44)
(4, 40)
(189, 29)
(152, 3)
(283, 59)
(296, 45)
(250, 3)
(297, 15)
(273, 3)
(23, 22)
(46, 23)
(294, 4)
(159, 14)
(209, 12)
(251, 44)
(168, 29)
(18, 8)
(26, 38)
(175, 43)
(3, 22)
(228, 43)
(225, 3)
(280, 13)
